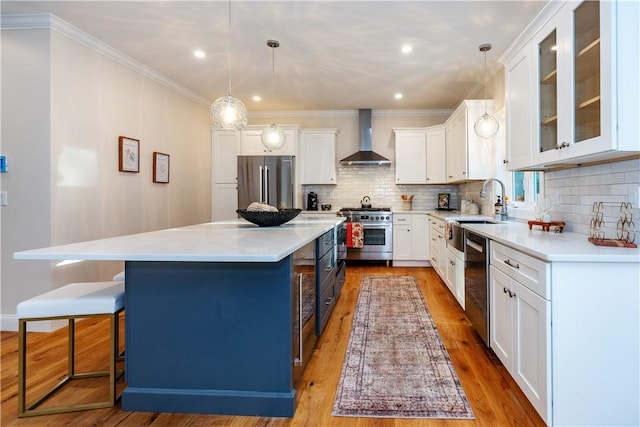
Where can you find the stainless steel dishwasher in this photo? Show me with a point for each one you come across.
(476, 282)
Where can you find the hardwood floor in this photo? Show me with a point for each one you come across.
(494, 397)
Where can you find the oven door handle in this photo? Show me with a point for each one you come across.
(475, 246)
(376, 226)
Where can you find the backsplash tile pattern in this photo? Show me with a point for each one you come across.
(471, 191)
(377, 182)
(578, 188)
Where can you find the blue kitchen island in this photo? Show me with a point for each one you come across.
(211, 314)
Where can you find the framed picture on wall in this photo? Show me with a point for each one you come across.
(128, 154)
(160, 167)
(443, 200)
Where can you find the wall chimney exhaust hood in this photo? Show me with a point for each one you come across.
(365, 156)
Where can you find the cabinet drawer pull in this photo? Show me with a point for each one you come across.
(511, 294)
(505, 290)
(508, 262)
(328, 301)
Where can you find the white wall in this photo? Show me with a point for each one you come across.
(63, 107)
(26, 221)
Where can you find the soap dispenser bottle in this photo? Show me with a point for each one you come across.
(497, 209)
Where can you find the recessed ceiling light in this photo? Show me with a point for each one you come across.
(398, 96)
(257, 98)
(199, 53)
(407, 48)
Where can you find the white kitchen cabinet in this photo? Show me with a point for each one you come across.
(468, 157)
(225, 201)
(520, 321)
(518, 95)
(224, 173)
(251, 142)
(520, 337)
(455, 273)
(410, 239)
(437, 246)
(585, 98)
(402, 241)
(318, 156)
(436, 155)
(411, 156)
(420, 237)
(224, 147)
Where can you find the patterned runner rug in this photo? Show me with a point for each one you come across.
(396, 365)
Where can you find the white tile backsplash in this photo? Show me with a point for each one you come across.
(377, 182)
(578, 189)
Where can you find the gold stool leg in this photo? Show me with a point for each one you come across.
(32, 409)
(22, 366)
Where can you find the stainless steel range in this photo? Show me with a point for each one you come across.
(377, 225)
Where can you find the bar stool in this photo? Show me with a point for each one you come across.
(73, 301)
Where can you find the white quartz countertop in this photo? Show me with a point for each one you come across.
(551, 246)
(226, 241)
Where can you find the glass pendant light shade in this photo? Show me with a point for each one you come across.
(486, 126)
(229, 113)
(273, 137)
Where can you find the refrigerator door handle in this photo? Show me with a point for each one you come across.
(266, 185)
(262, 199)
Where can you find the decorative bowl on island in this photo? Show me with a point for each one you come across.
(269, 219)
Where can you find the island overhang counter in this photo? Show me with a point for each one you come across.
(209, 314)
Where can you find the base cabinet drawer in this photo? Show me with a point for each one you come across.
(531, 272)
(325, 304)
(340, 279)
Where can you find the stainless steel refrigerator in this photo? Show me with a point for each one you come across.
(267, 179)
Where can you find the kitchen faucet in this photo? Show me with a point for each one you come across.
(503, 210)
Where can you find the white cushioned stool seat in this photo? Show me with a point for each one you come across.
(119, 277)
(71, 302)
(76, 299)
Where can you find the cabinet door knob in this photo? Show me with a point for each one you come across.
(504, 290)
(505, 161)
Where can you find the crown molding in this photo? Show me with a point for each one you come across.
(547, 12)
(349, 113)
(52, 22)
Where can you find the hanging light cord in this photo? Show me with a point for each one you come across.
(229, 50)
(485, 82)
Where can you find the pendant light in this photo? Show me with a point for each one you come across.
(486, 126)
(227, 112)
(273, 137)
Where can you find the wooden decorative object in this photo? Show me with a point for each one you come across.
(612, 243)
(547, 225)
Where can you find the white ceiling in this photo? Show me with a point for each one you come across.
(333, 55)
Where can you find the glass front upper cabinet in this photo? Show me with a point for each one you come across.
(548, 91)
(586, 71)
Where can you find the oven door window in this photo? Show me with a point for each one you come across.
(375, 236)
